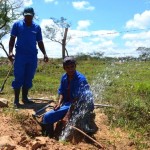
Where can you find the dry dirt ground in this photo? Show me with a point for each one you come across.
(25, 134)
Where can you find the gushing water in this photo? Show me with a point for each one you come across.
(102, 80)
(82, 107)
(97, 88)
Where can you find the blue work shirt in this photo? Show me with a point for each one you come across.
(27, 37)
(78, 87)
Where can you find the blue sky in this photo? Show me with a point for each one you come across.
(115, 27)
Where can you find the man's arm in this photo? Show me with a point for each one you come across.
(11, 46)
(60, 101)
(42, 48)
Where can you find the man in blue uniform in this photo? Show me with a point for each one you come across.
(73, 90)
(28, 35)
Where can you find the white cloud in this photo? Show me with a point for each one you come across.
(105, 33)
(82, 41)
(140, 21)
(45, 22)
(51, 1)
(5, 42)
(141, 38)
(133, 41)
(50, 23)
(27, 2)
(78, 33)
(134, 44)
(83, 24)
(77, 43)
(137, 36)
(53, 49)
(80, 5)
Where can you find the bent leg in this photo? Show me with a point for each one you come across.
(54, 116)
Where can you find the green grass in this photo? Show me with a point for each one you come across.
(125, 85)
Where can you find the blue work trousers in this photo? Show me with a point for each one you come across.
(24, 70)
(53, 116)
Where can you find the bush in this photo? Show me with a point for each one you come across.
(143, 88)
(133, 114)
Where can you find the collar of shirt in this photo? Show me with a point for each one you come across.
(74, 76)
(25, 23)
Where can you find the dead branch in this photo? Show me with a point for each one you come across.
(102, 105)
(101, 146)
(2, 46)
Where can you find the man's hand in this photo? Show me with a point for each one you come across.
(45, 58)
(56, 107)
(11, 57)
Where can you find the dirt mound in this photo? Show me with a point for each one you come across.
(26, 135)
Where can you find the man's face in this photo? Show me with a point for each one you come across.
(28, 18)
(70, 69)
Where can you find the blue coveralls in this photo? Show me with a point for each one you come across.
(78, 86)
(25, 63)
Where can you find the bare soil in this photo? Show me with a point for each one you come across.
(25, 134)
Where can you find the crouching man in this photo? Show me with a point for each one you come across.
(75, 98)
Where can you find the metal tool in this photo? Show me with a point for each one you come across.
(42, 99)
(38, 113)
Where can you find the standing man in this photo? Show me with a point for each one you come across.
(28, 34)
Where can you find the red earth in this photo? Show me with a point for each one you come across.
(21, 132)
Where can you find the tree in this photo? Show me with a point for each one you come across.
(8, 13)
(145, 53)
(57, 32)
(97, 54)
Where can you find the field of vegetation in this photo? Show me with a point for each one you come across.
(123, 84)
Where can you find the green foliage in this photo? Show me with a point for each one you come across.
(49, 84)
(142, 88)
(130, 94)
(8, 13)
(126, 86)
(82, 56)
(144, 53)
(131, 114)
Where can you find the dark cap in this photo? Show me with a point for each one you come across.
(69, 60)
(28, 11)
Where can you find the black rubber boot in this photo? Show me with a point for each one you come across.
(47, 130)
(89, 130)
(25, 99)
(16, 99)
